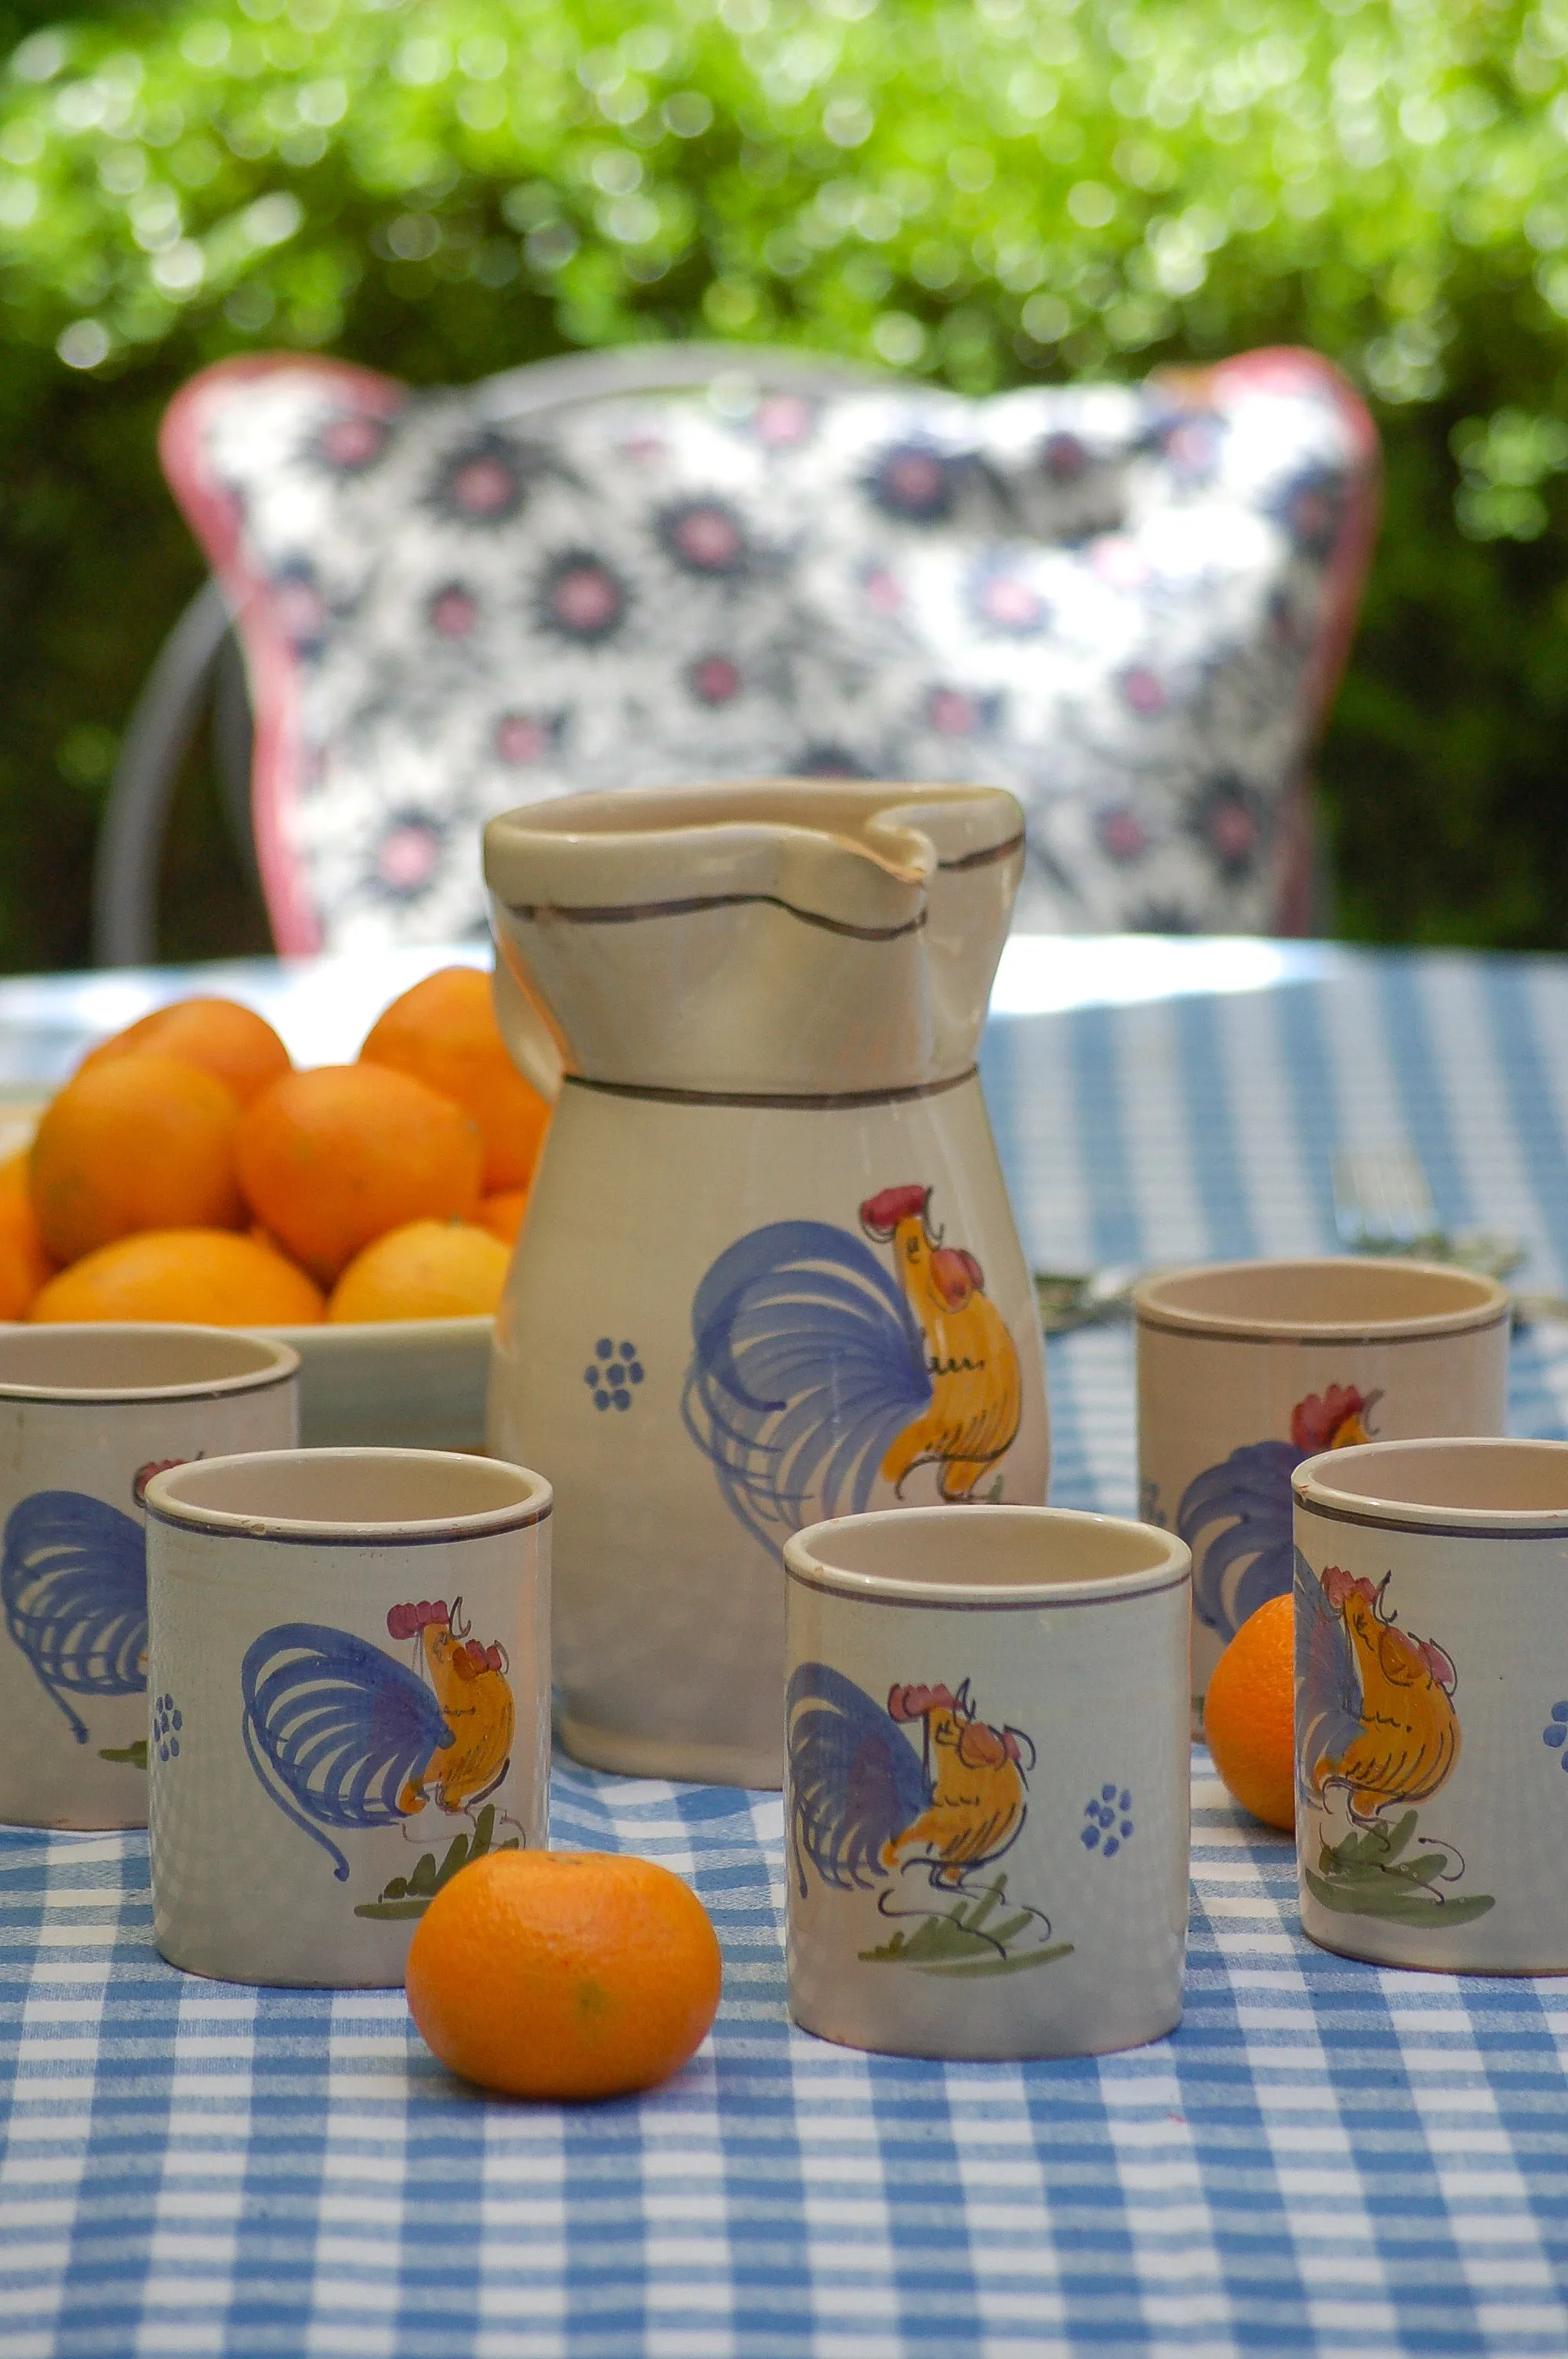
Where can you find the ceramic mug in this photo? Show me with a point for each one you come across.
(986, 1783)
(350, 1677)
(1432, 1704)
(87, 1413)
(1246, 1368)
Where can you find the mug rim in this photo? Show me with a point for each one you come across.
(280, 1365)
(1317, 1494)
(1489, 1310)
(805, 1566)
(164, 1506)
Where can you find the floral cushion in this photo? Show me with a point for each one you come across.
(1128, 603)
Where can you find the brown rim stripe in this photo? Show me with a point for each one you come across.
(1329, 1339)
(631, 913)
(985, 1605)
(826, 1101)
(1537, 1532)
(982, 859)
(434, 1534)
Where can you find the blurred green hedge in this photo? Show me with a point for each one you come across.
(984, 191)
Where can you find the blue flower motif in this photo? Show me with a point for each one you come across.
(1107, 1825)
(167, 1722)
(1555, 1733)
(613, 1372)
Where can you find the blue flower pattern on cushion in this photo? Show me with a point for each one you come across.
(1125, 602)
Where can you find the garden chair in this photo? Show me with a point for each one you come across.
(1128, 603)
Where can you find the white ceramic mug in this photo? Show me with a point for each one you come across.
(986, 1783)
(1246, 1368)
(1432, 1704)
(349, 1666)
(87, 1413)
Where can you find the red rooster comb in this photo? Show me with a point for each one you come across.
(1315, 1420)
(407, 1621)
(881, 1214)
(914, 1703)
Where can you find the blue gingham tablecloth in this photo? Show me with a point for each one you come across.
(1325, 2157)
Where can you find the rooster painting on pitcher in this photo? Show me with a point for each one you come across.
(817, 1371)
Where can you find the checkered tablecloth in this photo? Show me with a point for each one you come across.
(1325, 2157)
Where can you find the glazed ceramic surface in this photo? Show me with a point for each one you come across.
(1432, 1704)
(1246, 1368)
(986, 1795)
(769, 1271)
(350, 1677)
(402, 1383)
(87, 1415)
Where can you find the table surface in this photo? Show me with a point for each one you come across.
(1324, 2157)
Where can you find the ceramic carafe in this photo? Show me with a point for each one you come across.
(769, 1273)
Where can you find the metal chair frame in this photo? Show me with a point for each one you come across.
(199, 664)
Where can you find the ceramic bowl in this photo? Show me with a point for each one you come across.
(397, 1383)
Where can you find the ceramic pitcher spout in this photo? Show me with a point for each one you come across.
(784, 936)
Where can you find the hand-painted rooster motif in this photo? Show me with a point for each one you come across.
(864, 1802)
(815, 1370)
(1378, 1717)
(73, 1583)
(1250, 1491)
(344, 1736)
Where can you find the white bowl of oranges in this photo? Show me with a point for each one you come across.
(187, 1171)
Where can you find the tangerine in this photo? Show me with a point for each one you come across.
(233, 1043)
(427, 1269)
(142, 1142)
(501, 1213)
(1248, 1715)
(444, 1032)
(330, 1158)
(21, 1246)
(208, 1276)
(564, 1975)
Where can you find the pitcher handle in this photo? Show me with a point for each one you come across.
(528, 1037)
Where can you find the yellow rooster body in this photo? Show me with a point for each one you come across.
(976, 1393)
(472, 1688)
(977, 1772)
(1408, 1738)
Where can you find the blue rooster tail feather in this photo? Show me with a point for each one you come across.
(806, 1364)
(855, 1779)
(73, 1583)
(261, 1764)
(1252, 1560)
(1329, 1684)
(335, 1728)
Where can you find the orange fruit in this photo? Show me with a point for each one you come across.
(208, 1276)
(429, 1270)
(21, 1246)
(143, 1142)
(233, 1043)
(501, 1213)
(1249, 1714)
(330, 1160)
(17, 1284)
(444, 1032)
(564, 1974)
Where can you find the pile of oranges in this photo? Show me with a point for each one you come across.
(187, 1171)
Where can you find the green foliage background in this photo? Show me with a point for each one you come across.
(983, 191)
